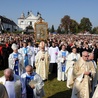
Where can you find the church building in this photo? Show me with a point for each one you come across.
(27, 21)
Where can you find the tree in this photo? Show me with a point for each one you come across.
(65, 23)
(85, 24)
(74, 26)
(69, 25)
(29, 27)
(59, 30)
(52, 29)
(95, 30)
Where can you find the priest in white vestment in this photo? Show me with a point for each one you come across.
(13, 83)
(42, 62)
(62, 64)
(3, 92)
(26, 53)
(33, 82)
(16, 61)
(70, 60)
(83, 72)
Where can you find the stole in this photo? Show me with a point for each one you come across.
(63, 64)
(26, 57)
(28, 88)
(16, 69)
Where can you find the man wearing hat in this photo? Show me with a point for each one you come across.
(16, 60)
(42, 61)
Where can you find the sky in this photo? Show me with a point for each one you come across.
(51, 10)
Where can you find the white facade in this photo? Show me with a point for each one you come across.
(29, 20)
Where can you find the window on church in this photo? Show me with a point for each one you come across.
(30, 22)
(21, 22)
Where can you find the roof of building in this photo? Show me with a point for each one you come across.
(6, 20)
(30, 15)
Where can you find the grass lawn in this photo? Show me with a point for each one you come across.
(54, 88)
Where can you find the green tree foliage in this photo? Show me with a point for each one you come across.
(49, 30)
(85, 24)
(74, 26)
(52, 29)
(65, 23)
(29, 27)
(95, 30)
(69, 24)
(59, 30)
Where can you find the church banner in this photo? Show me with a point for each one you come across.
(41, 30)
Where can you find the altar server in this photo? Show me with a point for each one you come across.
(53, 52)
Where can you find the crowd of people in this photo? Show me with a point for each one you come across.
(27, 64)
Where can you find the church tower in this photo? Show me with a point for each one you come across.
(22, 16)
(28, 20)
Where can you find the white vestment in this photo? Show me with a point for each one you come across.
(11, 60)
(60, 73)
(95, 95)
(10, 88)
(38, 90)
(35, 52)
(33, 55)
(47, 48)
(71, 59)
(53, 52)
(29, 54)
(82, 82)
(42, 66)
(14, 88)
(95, 78)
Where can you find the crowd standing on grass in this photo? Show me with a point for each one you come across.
(28, 62)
